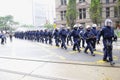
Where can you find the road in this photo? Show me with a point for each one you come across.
(27, 60)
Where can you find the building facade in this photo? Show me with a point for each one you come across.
(83, 11)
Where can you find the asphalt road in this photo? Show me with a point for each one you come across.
(39, 51)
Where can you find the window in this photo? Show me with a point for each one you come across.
(114, 1)
(63, 15)
(63, 2)
(115, 12)
(107, 12)
(82, 13)
(81, 1)
(107, 1)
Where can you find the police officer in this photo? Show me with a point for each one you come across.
(63, 36)
(76, 38)
(94, 31)
(56, 37)
(89, 36)
(46, 36)
(108, 34)
(82, 31)
(69, 38)
(50, 36)
(41, 36)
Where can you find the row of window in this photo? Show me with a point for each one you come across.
(83, 13)
(64, 2)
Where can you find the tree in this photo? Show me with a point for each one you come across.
(95, 11)
(7, 22)
(27, 26)
(71, 13)
(48, 26)
(117, 10)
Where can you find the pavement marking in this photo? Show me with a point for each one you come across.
(61, 57)
(100, 62)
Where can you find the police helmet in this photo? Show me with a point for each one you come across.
(94, 25)
(108, 22)
(88, 26)
(75, 26)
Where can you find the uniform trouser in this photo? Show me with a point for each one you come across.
(57, 41)
(83, 42)
(37, 39)
(107, 51)
(94, 43)
(76, 44)
(89, 46)
(69, 39)
(2, 40)
(46, 39)
(42, 39)
(63, 45)
(50, 41)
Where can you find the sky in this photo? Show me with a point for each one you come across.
(20, 9)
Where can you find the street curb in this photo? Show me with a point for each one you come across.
(65, 62)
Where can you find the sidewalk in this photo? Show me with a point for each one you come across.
(11, 69)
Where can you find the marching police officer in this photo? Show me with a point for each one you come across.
(94, 31)
(76, 38)
(81, 31)
(89, 36)
(108, 34)
(69, 38)
(56, 37)
(63, 36)
(50, 36)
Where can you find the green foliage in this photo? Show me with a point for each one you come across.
(117, 8)
(71, 13)
(6, 22)
(48, 26)
(27, 26)
(95, 11)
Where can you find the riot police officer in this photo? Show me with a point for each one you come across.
(56, 37)
(63, 36)
(69, 38)
(88, 37)
(108, 34)
(82, 31)
(50, 36)
(94, 31)
(76, 38)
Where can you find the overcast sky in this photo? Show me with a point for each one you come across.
(20, 9)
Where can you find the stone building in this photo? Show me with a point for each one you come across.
(83, 11)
